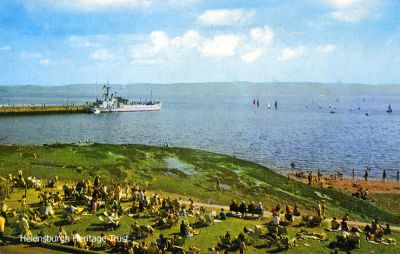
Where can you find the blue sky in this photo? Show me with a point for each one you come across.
(53, 42)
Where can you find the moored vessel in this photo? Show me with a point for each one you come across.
(111, 103)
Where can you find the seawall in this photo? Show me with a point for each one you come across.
(44, 109)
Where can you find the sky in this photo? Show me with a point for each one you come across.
(56, 42)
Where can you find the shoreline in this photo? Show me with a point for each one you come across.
(349, 184)
(391, 185)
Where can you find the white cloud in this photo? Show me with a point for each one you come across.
(30, 55)
(161, 47)
(220, 45)
(102, 55)
(5, 48)
(264, 35)
(327, 48)
(96, 5)
(289, 53)
(190, 39)
(252, 56)
(225, 17)
(350, 15)
(85, 41)
(182, 2)
(351, 10)
(45, 61)
(344, 3)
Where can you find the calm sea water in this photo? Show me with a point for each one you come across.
(221, 118)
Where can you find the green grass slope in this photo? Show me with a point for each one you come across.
(182, 171)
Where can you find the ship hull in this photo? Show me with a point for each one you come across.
(129, 108)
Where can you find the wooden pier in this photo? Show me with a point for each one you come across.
(42, 109)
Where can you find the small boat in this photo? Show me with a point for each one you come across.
(332, 111)
(389, 109)
(96, 111)
(269, 105)
(367, 114)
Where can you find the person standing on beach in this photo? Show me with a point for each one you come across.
(398, 175)
(310, 178)
(366, 175)
(353, 174)
(384, 175)
(292, 165)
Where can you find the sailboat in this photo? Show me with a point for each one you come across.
(269, 105)
(389, 109)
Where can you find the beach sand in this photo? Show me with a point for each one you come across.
(352, 185)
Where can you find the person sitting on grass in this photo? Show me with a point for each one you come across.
(275, 218)
(78, 240)
(259, 209)
(296, 211)
(23, 226)
(62, 236)
(2, 229)
(335, 226)
(143, 248)
(163, 244)
(222, 214)
(251, 207)
(288, 214)
(278, 208)
(135, 230)
(387, 230)
(153, 248)
(186, 230)
(242, 208)
(182, 212)
(192, 207)
(234, 206)
(343, 225)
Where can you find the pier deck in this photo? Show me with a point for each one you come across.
(42, 109)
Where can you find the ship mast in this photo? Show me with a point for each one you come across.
(106, 93)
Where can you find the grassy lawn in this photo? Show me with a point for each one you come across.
(187, 173)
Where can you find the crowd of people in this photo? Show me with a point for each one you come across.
(106, 201)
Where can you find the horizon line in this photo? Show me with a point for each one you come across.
(208, 82)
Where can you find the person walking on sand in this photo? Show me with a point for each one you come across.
(353, 174)
(384, 175)
(398, 175)
(366, 175)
